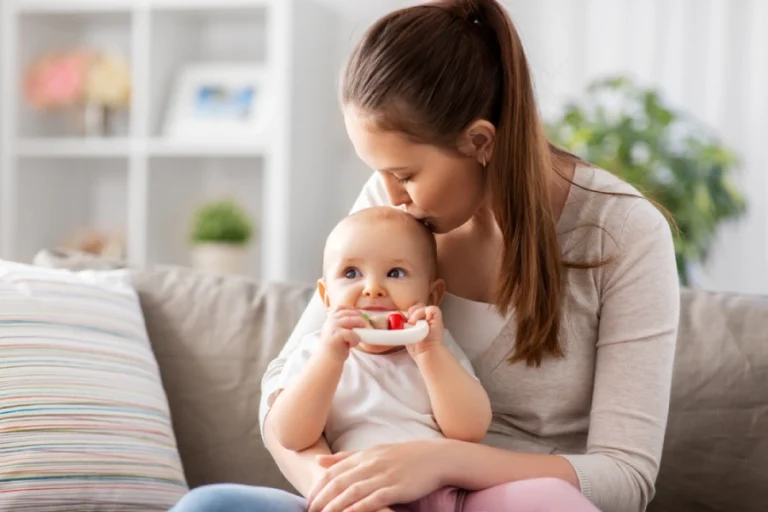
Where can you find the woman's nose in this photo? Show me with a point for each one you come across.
(398, 196)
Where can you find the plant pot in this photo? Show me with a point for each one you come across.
(222, 258)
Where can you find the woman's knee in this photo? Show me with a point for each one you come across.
(238, 498)
(536, 495)
(549, 494)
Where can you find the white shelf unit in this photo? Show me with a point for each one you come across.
(53, 181)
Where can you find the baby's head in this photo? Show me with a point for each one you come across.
(380, 258)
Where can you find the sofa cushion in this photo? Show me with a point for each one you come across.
(716, 451)
(84, 421)
(213, 336)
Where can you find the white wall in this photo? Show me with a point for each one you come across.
(709, 57)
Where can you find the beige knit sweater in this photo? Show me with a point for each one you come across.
(604, 406)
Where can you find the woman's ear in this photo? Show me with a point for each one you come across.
(436, 292)
(322, 291)
(477, 140)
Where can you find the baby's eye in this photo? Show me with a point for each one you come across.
(396, 273)
(352, 273)
(403, 181)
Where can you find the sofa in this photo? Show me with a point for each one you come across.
(213, 336)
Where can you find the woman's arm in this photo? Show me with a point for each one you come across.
(301, 469)
(474, 466)
(459, 402)
(639, 316)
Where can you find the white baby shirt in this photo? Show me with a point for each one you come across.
(381, 398)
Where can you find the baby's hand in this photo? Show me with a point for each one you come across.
(337, 334)
(434, 318)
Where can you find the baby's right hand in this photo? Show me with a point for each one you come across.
(337, 335)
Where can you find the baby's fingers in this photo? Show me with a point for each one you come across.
(350, 320)
(433, 313)
(414, 308)
(416, 315)
(350, 337)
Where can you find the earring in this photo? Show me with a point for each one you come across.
(484, 162)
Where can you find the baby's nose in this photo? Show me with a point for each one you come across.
(374, 288)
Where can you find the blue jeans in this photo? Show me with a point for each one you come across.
(239, 498)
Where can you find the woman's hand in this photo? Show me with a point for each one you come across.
(374, 479)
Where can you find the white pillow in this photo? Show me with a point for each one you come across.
(84, 420)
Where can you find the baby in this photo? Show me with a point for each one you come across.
(378, 260)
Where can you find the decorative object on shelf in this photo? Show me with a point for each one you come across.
(107, 91)
(56, 80)
(221, 232)
(97, 242)
(94, 85)
(218, 102)
(669, 157)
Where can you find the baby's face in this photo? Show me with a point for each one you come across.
(379, 266)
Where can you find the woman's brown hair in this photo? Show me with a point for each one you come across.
(428, 72)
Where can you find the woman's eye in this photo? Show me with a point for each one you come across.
(396, 273)
(351, 273)
(403, 181)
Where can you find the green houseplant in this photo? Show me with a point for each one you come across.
(668, 156)
(221, 232)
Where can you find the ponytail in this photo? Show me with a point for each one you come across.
(531, 273)
(476, 68)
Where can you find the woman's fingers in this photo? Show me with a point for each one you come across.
(328, 460)
(377, 501)
(336, 469)
(322, 495)
(351, 497)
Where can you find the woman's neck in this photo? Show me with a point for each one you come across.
(483, 223)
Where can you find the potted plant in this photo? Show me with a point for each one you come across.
(668, 156)
(220, 235)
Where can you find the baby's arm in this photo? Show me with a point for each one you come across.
(300, 412)
(460, 404)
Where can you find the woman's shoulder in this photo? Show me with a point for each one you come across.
(602, 206)
(600, 196)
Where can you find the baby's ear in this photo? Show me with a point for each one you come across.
(436, 292)
(322, 291)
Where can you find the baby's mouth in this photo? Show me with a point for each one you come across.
(378, 319)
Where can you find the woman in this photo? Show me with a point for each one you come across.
(576, 352)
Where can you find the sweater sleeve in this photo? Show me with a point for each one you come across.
(639, 316)
(373, 194)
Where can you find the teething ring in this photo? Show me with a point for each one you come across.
(409, 335)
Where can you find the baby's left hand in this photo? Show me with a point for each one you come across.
(434, 318)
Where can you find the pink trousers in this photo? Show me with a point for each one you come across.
(537, 495)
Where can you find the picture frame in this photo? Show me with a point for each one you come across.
(218, 101)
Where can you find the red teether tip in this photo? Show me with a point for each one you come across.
(395, 321)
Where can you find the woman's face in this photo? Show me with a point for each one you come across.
(443, 189)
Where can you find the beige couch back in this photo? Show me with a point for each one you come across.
(214, 336)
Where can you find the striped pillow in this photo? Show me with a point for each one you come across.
(84, 421)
